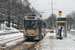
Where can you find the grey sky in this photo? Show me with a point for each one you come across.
(66, 6)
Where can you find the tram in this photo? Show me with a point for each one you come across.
(34, 27)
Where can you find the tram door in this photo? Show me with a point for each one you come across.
(40, 28)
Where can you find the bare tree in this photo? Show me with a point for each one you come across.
(70, 20)
(14, 10)
(49, 20)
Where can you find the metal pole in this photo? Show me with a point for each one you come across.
(65, 29)
(19, 14)
(0, 26)
(52, 11)
(56, 30)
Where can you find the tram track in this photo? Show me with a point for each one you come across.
(12, 46)
(22, 45)
(8, 41)
(26, 45)
(32, 46)
(5, 41)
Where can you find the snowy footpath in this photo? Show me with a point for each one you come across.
(51, 43)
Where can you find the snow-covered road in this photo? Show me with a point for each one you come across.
(6, 38)
(10, 40)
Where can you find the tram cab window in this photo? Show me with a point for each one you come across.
(30, 23)
(33, 24)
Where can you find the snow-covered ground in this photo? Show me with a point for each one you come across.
(9, 37)
(51, 43)
(6, 38)
(4, 27)
(72, 30)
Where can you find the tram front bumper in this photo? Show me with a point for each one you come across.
(30, 36)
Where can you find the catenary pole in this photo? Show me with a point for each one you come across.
(52, 11)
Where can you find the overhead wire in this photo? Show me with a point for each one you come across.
(50, 9)
(35, 5)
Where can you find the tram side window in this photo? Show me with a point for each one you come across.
(44, 24)
(39, 24)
